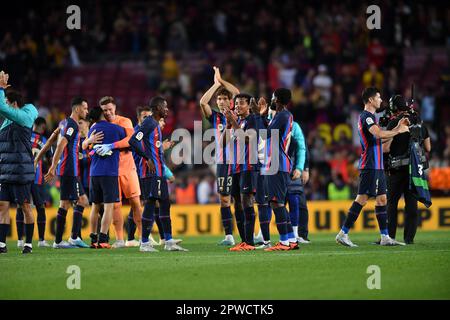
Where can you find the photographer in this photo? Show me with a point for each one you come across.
(398, 159)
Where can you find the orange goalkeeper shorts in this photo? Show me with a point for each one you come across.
(129, 185)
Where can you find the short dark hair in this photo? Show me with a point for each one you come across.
(39, 121)
(246, 96)
(368, 93)
(224, 92)
(283, 96)
(141, 109)
(95, 114)
(15, 96)
(76, 101)
(156, 102)
(105, 100)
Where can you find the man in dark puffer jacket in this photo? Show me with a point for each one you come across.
(16, 160)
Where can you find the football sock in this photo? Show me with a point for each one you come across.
(227, 220)
(131, 226)
(94, 237)
(303, 218)
(29, 230)
(4, 228)
(77, 219)
(147, 220)
(164, 216)
(60, 224)
(381, 214)
(240, 219)
(159, 224)
(249, 224)
(264, 221)
(103, 238)
(281, 221)
(294, 201)
(290, 230)
(352, 215)
(295, 228)
(41, 220)
(19, 223)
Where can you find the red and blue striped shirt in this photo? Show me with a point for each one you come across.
(147, 143)
(37, 143)
(219, 124)
(282, 122)
(372, 151)
(68, 164)
(245, 154)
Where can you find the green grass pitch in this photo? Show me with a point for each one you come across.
(321, 270)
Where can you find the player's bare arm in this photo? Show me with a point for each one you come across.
(206, 98)
(378, 133)
(51, 140)
(59, 150)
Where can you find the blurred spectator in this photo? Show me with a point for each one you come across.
(170, 69)
(338, 189)
(428, 106)
(372, 77)
(323, 82)
(376, 53)
(204, 189)
(185, 191)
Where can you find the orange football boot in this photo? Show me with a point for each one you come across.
(238, 247)
(104, 245)
(278, 247)
(248, 247)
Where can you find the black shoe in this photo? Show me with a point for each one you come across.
(27, 249)
(3, 250)
(409, 241)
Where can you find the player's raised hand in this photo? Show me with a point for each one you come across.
(167, 144)
(4, 80)
(402, 125)
(96, 137)
(254, 106)
(231, 116)
(404, 121)
(262, 104)
(217, 76)
(151, 166)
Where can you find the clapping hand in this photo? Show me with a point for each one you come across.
(4, 80)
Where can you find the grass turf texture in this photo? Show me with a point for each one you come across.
(321, 270)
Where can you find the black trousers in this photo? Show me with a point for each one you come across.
(398, 185)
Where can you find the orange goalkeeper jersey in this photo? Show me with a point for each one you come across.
(126, 161)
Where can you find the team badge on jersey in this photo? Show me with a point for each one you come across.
(369, 121)
(139, 136)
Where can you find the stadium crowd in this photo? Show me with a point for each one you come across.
(324, 56)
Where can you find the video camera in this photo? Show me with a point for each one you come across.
(398, 108)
